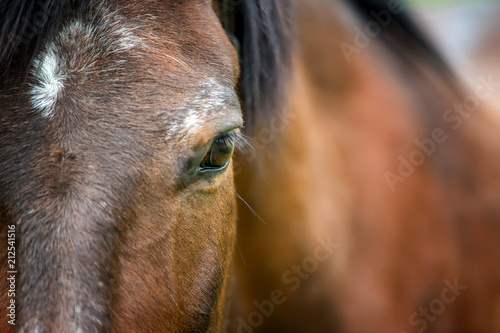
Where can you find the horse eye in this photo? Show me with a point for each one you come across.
(220, 154)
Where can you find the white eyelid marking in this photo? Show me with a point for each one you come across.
(193, 121)
(49, 82)
(210, 99)
(213, 97)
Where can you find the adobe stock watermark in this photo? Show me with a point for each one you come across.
(11, 274)
(454, 117)
(293, 278)
(425, 315)
(363, 36)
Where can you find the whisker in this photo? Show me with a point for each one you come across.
(234, 236)
(239, 250)
(246, 203)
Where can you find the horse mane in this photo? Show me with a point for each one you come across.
(405, 37)
(264, 29)
(25, 24)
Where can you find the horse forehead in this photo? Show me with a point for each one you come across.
(78, 50)
(108, 34)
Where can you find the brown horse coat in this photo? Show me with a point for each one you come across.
(376, 159)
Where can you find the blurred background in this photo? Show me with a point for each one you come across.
(467, 32)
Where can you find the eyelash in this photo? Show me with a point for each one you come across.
(241, 141)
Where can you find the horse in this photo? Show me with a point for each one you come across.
(373, 203)
(378, 186)
(118, 123)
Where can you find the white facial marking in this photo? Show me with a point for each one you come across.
(49, 82)
(212, 97)
(94, 37)
(128, 40)
(192, 121)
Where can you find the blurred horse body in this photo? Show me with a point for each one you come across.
(420, 253)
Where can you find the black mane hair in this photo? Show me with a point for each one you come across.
(404, 36)
(265, 33)
(25, 24)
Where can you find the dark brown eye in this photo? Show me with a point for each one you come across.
(219, 155)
